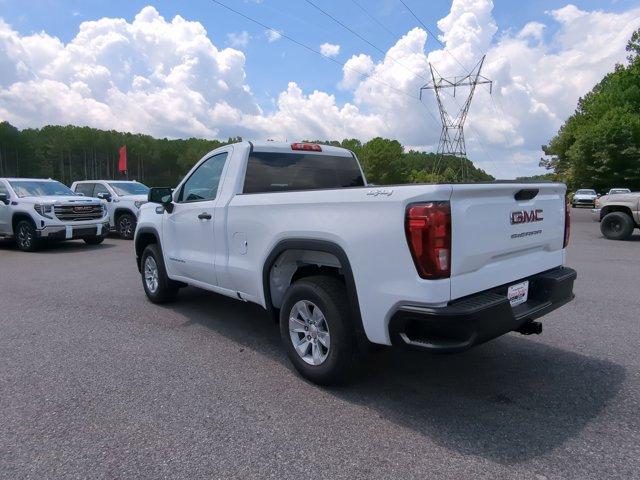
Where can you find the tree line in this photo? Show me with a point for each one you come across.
(70, 153)
(599, 145)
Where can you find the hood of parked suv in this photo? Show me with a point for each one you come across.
(61, 200)
(584, 196)
(135, 198)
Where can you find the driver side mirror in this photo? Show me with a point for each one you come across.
(4, 198)
(104, 196)
(163, 196)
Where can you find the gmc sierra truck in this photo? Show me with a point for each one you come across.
(341, 265)
(123, 199)
(33, 211)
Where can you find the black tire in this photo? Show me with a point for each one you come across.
(327, 294)
(25, 235)
(94, 240)
(126, 226)
(166, 289)
(617, 226)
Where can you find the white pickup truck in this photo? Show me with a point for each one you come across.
(36, 210)
(295, 229)
(123, 199)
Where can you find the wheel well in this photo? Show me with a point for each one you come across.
(301, 257)
(615, 208)
(120, 211)
(18, 217)
(292, 265)
(144, 239)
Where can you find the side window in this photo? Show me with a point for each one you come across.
(85, 188)
(99, 188)
(203, 183)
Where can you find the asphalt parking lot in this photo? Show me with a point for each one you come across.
(96, 382)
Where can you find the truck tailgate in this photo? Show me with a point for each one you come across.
(500, 235)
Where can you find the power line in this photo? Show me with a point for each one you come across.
(346, 27)
(311, 49)
(370, 15)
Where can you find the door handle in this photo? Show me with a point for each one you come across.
(204, 216)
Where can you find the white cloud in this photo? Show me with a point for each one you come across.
(329, 49)
(166, 78)
(273, 35)
(532, 30)
(239, 40)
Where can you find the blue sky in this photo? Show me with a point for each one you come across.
(270, 65)
(542, 54)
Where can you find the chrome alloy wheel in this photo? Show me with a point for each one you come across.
(151, 274)
(25, 236)
(126, 226)
(309, 332)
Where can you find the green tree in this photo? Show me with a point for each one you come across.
(599, 145)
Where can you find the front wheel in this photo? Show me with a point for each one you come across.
(157, 285)
(26, 236)
(617, 226)
(126, 226)
(93, 240)
(316, 330)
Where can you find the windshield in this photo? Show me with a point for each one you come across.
(129, 188)
(586, 192)
(619, 190)
(39, 188)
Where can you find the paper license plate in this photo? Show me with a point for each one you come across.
(518, 293)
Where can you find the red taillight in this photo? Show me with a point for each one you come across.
(567, 224)
(308, 147)
(428, 229)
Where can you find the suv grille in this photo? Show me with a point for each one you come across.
(77, 213)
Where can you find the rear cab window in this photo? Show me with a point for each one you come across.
(286, 172)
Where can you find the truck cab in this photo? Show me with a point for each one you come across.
(123, 199)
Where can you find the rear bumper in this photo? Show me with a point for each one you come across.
(478, 318)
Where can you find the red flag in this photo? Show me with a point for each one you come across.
(122, 163)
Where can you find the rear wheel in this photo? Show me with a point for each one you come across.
(26, 236)
(126, 225)
(316, 330)
(157, 285)
(617, 226)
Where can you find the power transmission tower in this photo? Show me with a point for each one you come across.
(452, 133)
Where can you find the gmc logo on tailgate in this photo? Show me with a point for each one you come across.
(526, 216)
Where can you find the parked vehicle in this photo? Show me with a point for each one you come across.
(618, 214)
(123, 199)
(296, 229)
(36, 210)
(584, 196)
(616, 191)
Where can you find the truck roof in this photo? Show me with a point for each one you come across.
(106, 180)
(286, 147)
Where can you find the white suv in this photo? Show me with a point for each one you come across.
(33, 210)
(123, 199)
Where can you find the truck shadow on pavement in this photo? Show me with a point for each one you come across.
(68, 246)
(510, 400)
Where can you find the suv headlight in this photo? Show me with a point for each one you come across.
(44, 210)
(139, 203)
